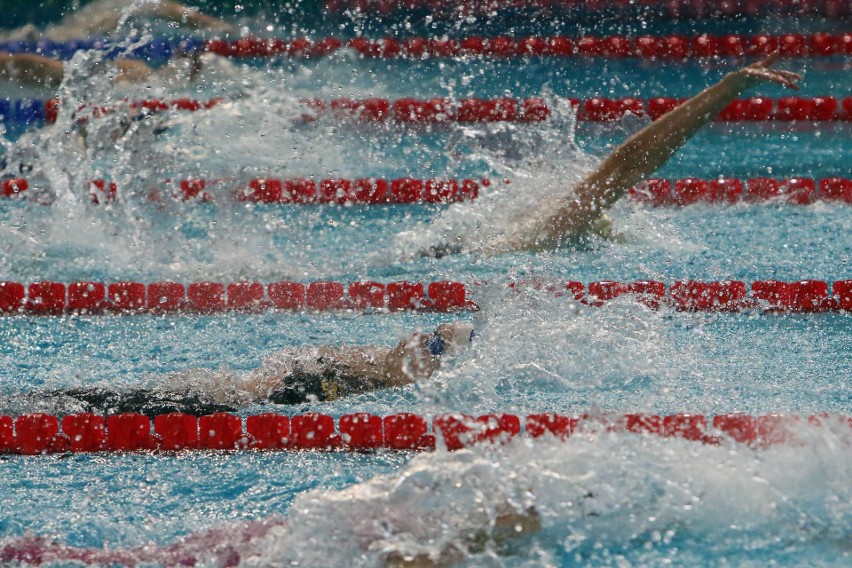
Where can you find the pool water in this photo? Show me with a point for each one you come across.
(602, 498)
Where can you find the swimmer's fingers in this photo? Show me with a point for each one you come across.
(787, 74)
(786, 78)
(222, 27)
(769, 60)
(211, 23)
(763, 71)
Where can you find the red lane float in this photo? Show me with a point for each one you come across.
(671, 47)
(647, 8)
(688, 191)
(534, 109)
(55, 298)
(367, 191)
(596, 109)
(371, 191)
(295, 191)
(35, 434)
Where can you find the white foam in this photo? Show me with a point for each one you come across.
(543, 163)
(595, 493)
(539, 344)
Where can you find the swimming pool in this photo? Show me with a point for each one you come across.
(603, 498)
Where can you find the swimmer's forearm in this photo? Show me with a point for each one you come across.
(31, 68)
(181, 14)
(132, 71)
(396, 369)
(650, 148)
(639, 157)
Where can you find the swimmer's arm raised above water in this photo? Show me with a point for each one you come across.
(33, 69)
(647, 150)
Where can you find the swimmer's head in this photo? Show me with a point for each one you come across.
(453, 337)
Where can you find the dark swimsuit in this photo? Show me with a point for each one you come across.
(298, 388)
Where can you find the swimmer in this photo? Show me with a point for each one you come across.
(97, 18)
(228, 545)
(553, 225)
(452, 512)
(103, 16)
(293, 376)
(39, 71)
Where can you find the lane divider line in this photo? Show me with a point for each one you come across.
(128, 297)
(407, 110)
(666, 47)
(670, 47)
(35, 434)
(376, 191)
(676, 9)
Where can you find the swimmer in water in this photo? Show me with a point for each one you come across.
(103, 16)
(554, 224)
(453, 512)
(494, 521)
(309, 374)
(39, 71)
(95, 19)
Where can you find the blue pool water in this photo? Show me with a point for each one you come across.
(603, 499)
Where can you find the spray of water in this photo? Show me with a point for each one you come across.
(601, 495)
(543, 164)
(540, 349)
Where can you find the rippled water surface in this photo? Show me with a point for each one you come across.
(601, 498)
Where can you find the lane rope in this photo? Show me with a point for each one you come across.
(653, 47)
(376, 191)
(26, 112)
(48, 298)
(627, 8)
(669, 47)
(35, 434)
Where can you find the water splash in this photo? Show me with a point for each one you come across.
(599, 496)
(539, 349)
(543, 163)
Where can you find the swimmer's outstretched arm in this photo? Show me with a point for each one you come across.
(170, 11)
(647, 150)
(31, 69)
(184, 15)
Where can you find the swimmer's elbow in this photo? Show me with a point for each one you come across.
(628, 164)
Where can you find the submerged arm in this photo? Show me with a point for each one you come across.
(647, 150)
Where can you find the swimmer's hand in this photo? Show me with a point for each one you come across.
(762, 72)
